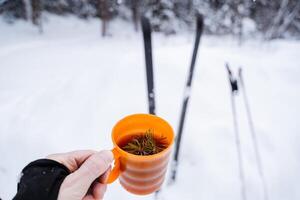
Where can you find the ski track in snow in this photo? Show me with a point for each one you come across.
(65, 89)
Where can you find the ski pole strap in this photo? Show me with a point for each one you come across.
(232, 80)
(234, 86)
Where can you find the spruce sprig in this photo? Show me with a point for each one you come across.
(146, 144)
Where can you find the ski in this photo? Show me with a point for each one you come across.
(253, 136)
(149, 66)
(199, 30)
(234, 91)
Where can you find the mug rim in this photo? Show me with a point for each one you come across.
(143, 157)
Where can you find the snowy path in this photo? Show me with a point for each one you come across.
(64, 90)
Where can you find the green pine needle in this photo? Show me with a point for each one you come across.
(146, 144)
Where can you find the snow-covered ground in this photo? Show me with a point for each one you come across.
(65, 89)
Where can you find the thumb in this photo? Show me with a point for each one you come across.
(77, 184)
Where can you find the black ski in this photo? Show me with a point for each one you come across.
(234, 91)
(253, 136)
(149, 66)
(199, 30)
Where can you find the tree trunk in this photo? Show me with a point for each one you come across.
(103, 13)
(190, 4)
(237, 20)
(36, 10)
(135, 13)
(28, 9)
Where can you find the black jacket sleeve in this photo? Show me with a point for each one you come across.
(41, 180)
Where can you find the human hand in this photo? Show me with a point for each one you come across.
(86, 167)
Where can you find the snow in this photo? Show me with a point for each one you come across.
(187, 92)
(65, 89)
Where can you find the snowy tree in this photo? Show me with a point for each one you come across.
(273, 19)
(12, 10)
(161, 14)
(287, 12)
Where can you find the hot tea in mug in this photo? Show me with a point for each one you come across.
(142, 147)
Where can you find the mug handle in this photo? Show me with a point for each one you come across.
(115, 172)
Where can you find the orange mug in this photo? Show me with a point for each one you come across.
(140, 174)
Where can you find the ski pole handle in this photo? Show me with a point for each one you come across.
(115, 172)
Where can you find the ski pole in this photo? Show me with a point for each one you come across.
(149, 66)
(234, 91)
(146, 27)
(253, 136)
(186, 97)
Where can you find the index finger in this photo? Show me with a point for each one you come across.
(72, 160)
(91, 169)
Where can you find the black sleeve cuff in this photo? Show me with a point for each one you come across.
(41, 179)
